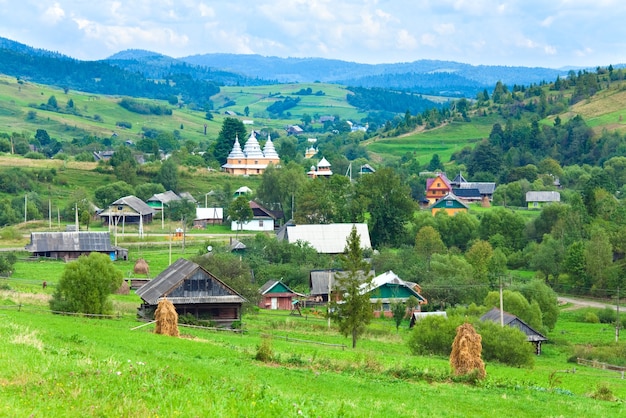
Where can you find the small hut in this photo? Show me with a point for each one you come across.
(532, 336)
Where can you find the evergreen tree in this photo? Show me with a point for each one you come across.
(231, 128)
(168, 175)
(354, 311)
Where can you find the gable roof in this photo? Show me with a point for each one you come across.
(165, 197)
(174, 276)
(276, 285)
(389, 277)
(513, 321)
(320, 280)
(431, 180)
(448, 201)
(467, 193)
(69, 241)
(134, 203)
(325, 238)
(259, 211)
(545, 196)
(485, 188)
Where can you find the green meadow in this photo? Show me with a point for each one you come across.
(71, 366)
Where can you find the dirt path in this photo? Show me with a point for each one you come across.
(583, 303)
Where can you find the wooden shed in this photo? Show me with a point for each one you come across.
(71, 245)
(193, 290)
(277, 295)
(533, 336)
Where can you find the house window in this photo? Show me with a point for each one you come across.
(438, 184)
(238, 161)
(261, 223)
(449, 203)
(535, 204)
(120, 208)
(256, 162)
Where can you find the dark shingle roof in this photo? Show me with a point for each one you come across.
(69, 241)
(513, 321)
(173, 276)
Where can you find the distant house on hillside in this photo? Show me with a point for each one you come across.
(387, 289)
(537, 200)
(71, 245)
(277, 295)
(127, 210)
(449, 204)
(437, 187)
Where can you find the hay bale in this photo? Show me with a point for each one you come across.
(466, 352)
(124, 289)
(141, 267)
(166, 319)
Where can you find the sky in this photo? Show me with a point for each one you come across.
(531, 33)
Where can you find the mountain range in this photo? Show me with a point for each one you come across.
(439, 78)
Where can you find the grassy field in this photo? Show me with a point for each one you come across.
(443, 141)
(53, 366)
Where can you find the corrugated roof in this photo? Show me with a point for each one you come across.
(135, 203)
(165, 197)
(210, 213)
(543, 196)
(485, 188)
(327, 239)
(69, 241)
(389, 277)
(174, 276)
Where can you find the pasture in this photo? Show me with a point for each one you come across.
(70, 366)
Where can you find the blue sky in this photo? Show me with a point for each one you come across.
(531, 33)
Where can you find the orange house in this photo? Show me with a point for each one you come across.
(437, 188)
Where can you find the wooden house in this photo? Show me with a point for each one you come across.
(537, 200)
(450, 204)
(387, 289)
(71, 245)
(277, 295)
(321, 281)
(127, 210)
(262, 219)
(510, 320)
(193, 290)
(437, 187)
(160, 200)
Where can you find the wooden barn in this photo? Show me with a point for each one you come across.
(277, 295)
(71, 245)
(127, 210)
(193, 290)
(533, 336)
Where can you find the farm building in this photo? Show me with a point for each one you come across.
(127, 210)
(388, 288)
(277, 295)
(537, 200)
(326, 239)
(193, 290)
(71, 245)
(320, 281)
(208, 216)
(534, 337)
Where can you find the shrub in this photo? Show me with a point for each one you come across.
(264, 351)
(603, 393)
(507, 345)
(434, 335)
(124, 124)
(592, 318)
(35, 155)
(607, 315)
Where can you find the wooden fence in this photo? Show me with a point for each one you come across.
(599, 365)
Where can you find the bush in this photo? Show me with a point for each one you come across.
(434, 335)
(607, 315)
(35, 155)
(124, 124)
(507, 345)
(264, 351)
(592, 318)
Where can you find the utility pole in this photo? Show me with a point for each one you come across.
(329, 276)
(617, 324)
(501, 305)
(25, 207)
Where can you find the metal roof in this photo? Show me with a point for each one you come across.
(134, 203)
(545, 196)
(326, 239)
(69, 241)
(513, 321)
(173, 276)
(165, 197)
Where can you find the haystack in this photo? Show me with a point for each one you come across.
(124, 289)
(466, 352)
(141, 267)
(166, 319)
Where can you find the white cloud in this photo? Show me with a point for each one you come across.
(53, 14)
(405, 40)
(445, 28)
